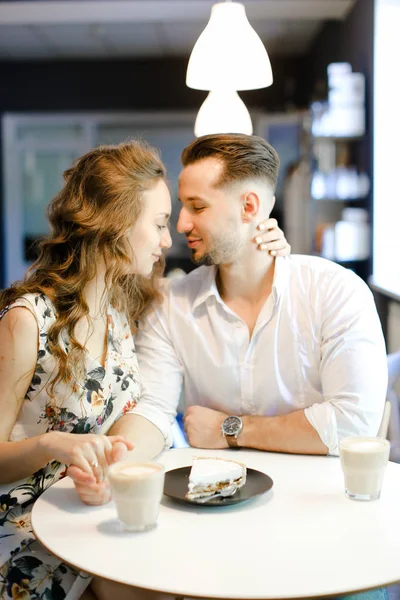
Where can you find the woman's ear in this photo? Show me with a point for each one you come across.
(250, 206)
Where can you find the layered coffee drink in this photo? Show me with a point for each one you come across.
(137, 489)
(363, 461)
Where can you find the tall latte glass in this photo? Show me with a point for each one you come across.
(137, 489)
(363, 461)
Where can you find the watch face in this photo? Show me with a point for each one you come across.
(232, 425)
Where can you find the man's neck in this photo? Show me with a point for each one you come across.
(248, 279)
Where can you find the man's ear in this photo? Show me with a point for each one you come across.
(250, 206)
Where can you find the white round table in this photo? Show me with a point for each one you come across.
(301, 539)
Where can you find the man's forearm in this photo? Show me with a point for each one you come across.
(147, 438)
(286, 433)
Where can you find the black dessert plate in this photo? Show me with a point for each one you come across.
(176, 487)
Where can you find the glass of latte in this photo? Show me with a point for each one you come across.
(363, 461)
(137, 489)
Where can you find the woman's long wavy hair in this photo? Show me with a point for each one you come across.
(90, 217)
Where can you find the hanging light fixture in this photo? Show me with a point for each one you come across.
(223, 111)
(229, 54)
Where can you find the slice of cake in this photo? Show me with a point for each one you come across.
(210, 475)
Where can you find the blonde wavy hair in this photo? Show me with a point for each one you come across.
(90, 217)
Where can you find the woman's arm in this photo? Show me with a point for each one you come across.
(18, 358)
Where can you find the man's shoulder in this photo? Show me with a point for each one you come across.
(302, 265)
(322, 277)
(315, 264)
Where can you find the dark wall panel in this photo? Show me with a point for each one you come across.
(129, 85)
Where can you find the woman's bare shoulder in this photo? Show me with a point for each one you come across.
(19, 320)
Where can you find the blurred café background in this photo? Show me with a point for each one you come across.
(76, 74)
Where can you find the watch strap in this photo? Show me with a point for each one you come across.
(232, 441)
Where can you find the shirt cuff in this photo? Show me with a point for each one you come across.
(322, 417)
(158, 419)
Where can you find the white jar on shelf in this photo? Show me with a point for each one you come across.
(336, 71)
(352, 235)
(349, 91)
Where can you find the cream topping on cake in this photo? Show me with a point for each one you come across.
(212, 470)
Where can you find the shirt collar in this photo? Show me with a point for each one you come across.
(209, 288)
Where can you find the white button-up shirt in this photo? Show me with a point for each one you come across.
(317, 345)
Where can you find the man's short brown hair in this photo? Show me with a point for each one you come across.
(243, 157)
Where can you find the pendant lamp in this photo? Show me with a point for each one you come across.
(229, 54)
(223, 111)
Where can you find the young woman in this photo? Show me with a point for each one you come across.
(68, 370)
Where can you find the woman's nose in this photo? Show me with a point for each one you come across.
(166, 240)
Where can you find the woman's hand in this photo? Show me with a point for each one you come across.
(89, 452)
(94, 489)
(272, 238)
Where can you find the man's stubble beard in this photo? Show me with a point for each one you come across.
(223, 249)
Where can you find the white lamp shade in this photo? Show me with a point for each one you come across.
(229, 54)
(223, 111)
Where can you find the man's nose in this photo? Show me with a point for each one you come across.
(184, 223)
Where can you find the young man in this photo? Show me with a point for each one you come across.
(281, 354)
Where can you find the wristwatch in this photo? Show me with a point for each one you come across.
(231, 427)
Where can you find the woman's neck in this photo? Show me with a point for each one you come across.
(94, 293)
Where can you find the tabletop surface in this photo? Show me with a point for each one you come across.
(301, 539)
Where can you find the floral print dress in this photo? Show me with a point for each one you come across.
(27, 570)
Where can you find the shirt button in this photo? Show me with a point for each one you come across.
(239, 325)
